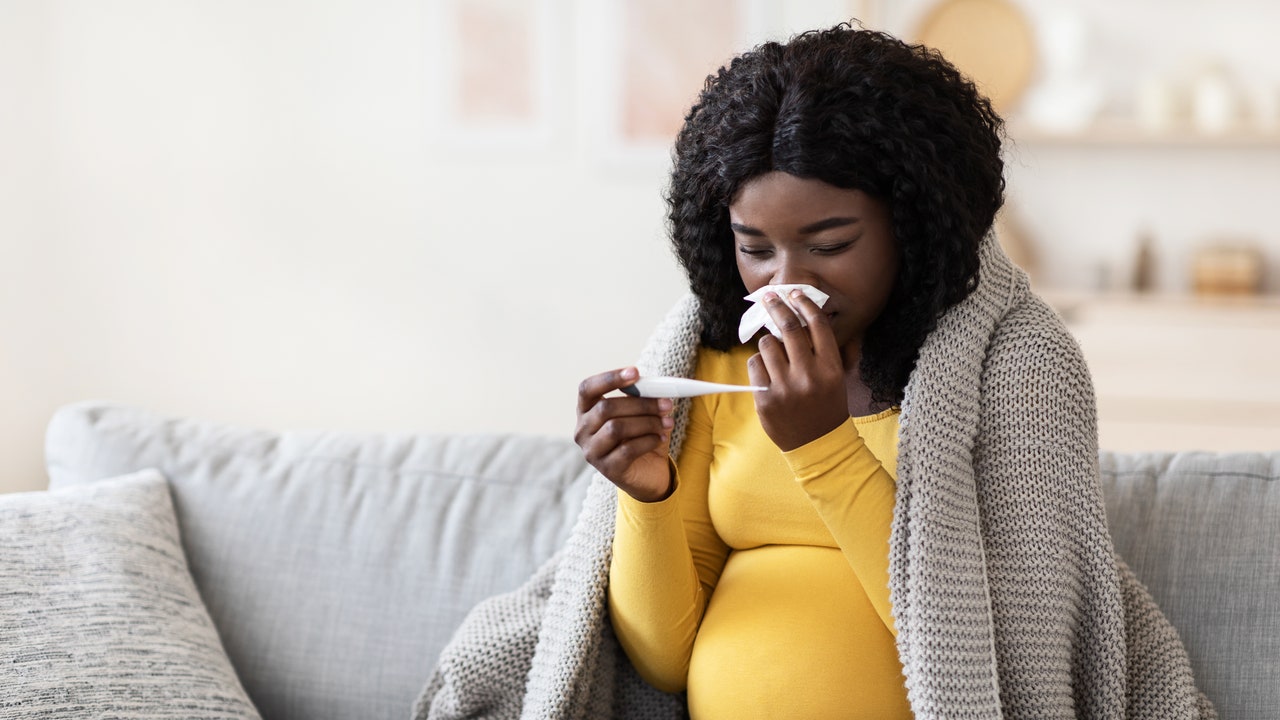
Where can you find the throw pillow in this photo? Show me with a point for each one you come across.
(99, 615)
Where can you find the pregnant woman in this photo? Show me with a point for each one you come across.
(907, 520)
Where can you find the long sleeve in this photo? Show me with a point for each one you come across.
(667, 558)
(854, 495)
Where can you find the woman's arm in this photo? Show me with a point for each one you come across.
(854, 495)
(667, 558)
(806, 414)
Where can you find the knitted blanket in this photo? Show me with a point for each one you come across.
(1007, 594)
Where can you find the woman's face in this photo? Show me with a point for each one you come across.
(798, 230)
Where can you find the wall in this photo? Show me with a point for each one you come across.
(246, 212)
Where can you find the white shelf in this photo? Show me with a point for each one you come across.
(1118, 134)
(1175, 301)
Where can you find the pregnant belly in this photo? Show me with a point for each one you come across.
(789, 633)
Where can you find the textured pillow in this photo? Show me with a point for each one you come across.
(99, 616)
(1202, 532)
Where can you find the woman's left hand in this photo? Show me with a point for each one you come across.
(804, 372)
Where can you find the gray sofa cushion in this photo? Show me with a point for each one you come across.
(336, 566)
(1202, 531)
(99, 616)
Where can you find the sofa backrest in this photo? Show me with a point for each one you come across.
(337, 565)
(1202, 532)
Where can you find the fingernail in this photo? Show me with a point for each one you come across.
(770, 296)
(665, 405)
(795, 294)
(668, 421)
(629, 374)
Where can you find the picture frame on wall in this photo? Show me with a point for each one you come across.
(647, 61)
(493, 73)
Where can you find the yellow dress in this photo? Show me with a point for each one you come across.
(761, 584)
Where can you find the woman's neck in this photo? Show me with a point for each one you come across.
(857, 392)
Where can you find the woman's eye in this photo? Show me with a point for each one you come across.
(754, 252)
(832, 249)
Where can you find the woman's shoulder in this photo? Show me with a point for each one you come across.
(1032, 327)
(1034, 369)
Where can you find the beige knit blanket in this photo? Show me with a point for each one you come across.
(1007, 594)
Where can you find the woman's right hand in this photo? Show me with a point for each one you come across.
(626, 438)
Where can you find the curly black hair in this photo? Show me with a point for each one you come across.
(856, 109)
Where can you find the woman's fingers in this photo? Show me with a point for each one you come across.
(625, 438)
(625, 454)
(794, 335)
(620, 430)
(820, 333)
(615, 420)
(620, 442)
(773, 359)
(757, 370)
(799, 344)
(610, 429)
(804, 372)
(591, 390)
(601, 409)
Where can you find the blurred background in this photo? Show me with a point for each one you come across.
(440, 215)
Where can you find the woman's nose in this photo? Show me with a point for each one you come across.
(792, 273)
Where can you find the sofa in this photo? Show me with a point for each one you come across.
(318, 575)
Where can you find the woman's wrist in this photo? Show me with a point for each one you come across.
(821, 453)
(657, 497)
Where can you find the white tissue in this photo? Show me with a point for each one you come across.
(757, 316)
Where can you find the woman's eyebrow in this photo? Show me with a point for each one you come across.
(745, 230)
(832, 222)
(827, 224)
